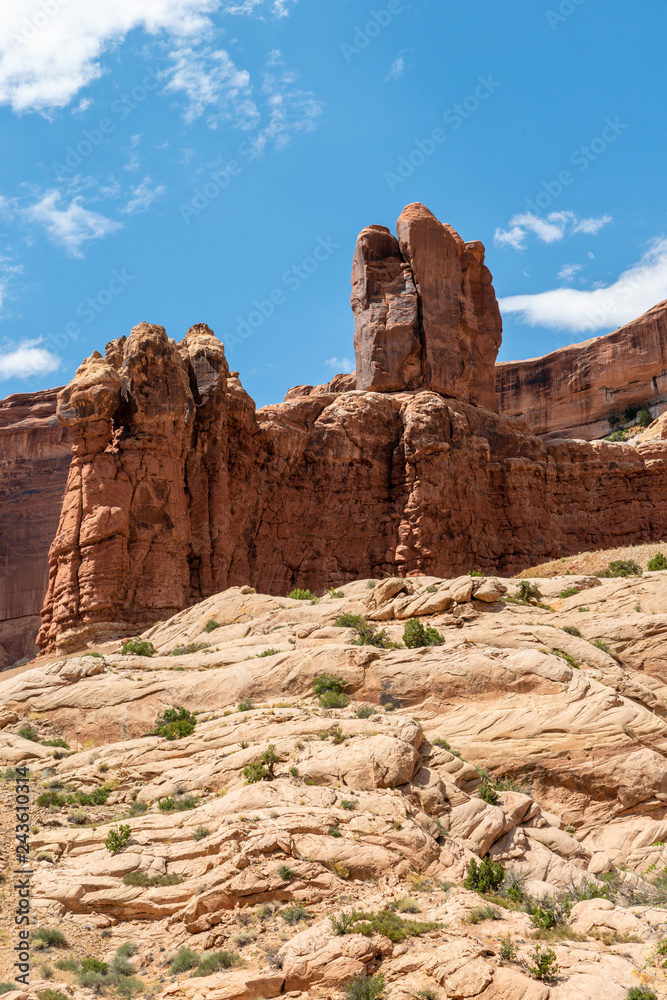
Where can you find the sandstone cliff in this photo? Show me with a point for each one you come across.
(573, 392)
(35, 454)
(178, 488)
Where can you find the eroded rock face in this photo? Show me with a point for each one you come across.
(575, 390)
(426, 315)
(35, 454)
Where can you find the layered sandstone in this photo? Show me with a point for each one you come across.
(573, 392)
(35, 454)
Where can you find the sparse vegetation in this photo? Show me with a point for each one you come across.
(177, 803)
(138, 647)
(287, 874)
(644, 417)
(386, 922)
(201, 833)
(570, 660)
(364, 711)
(508, 950)
(527, 593)
(621, 567)
(569, 592)
(216, 961)
(572, 630)
(49, 937)
(174, 723)
(268, 652)
(184, 960)
(294, 914)
(641, 993)
(365, 633)
(487, 792)
(146, 881)
(264, 768)
(211, 625)
(349, 804)
(480, 913)
(365, 987)
(192, 647)
(245, 705)
(657, 562)
(549, 913)
(330, 691)
(485, 877)
(544, 965)
(29, 732)
(416, 636)
(302, 595)
(118, 838)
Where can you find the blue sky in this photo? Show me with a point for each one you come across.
(184, 161)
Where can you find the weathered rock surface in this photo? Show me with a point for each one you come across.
(368, 808)
(35, 454)
(573, 392)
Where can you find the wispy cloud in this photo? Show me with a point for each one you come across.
(27, 360)
(212, 83)
(568, 271)
(554, 227)
(397, 69)
(637, 289)
(143, 196)
(344, 365)
(71, 227)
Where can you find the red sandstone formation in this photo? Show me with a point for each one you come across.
(178, 489)
(34, 459)
(573, 392)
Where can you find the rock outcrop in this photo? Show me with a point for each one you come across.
(35, 454)
(573, 392)
(179, 489)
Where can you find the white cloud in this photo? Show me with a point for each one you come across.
(397, 69)
(344, 365)
(50, 51)
(70, 227)
(143, 196)
(211, 80)
(636, 290)
(568, 271)
(553, 227)
(27, 360)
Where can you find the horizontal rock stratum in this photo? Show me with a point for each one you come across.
(178, 488)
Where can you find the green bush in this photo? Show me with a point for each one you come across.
(329, 688)
(201, 833)
(137, 809)
(10, 987)
(245, 705)
(364, 711)
(645, 417)
(508, 950)
(138, 647)
(333, 700)
(544, 967)
(364, 987)
(365, 633)
(566, 656)
(656, 562)
(485, 877)
(267, 652)
(286, 873)
(48, 994)
(301, 595)
(416, 636)
(174, 723)
(428, 994)
(118, 838)
(28, 732)
(50, 937)
(192, 647)
(177, 803)
(264, 768)
(348, 804)
(385, 922)
(621, 567)
(67, 964)
(51, 798)
(97, 797)
(487, 792)
(294, 913)
(184, 960)
(572, 630)
(528, 592)
(549, 913)
(216, 961)
(569, 592)
(57, 742)
(95, 965)
(480, 913)
(641, 993)
(211, 625)
(334, 832)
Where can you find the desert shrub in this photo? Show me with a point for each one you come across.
(432, 589)
(485, 877)
(78, 817)
(480, 913)
(475, 572)
(569, 592)
(137, 809)
(508, 950)
(97, 797)
(644, 417)
(192, 647)
(301, 595)
(385, 922)
(348, 804)
(67, 964)
(174, 723)
(333, 700)
(656, 562)
(570, 660)
(335, 593)
(589, 890)
(201, 832)
(49, 994)
(641, 993)
(267, 652)
(572, 630)
(146, 881)
(329, 689)
(415, 635)
(127, 986)
(184, 960)
(364, 987)
(245, 705)
(50, 937)
(211, 625)
(177, 803)
(528, 592)
(264, 768)
(364, 711)
(51, 798)
(544, 967)
(365, 633)
(58, 741)
(599, 644)
(407, 905)
(294, 913)
(216, 961)
(127, 949)
(487, 792)
(549, 913)
(334, 832)
(428, 994)
(621, 567)
(118, 838)
(286, 873)
(138, 647)
(10, 987)
(29, 732)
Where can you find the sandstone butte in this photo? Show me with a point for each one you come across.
(349, 759)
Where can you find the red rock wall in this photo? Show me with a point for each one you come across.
(572, 392)
(35, 454)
